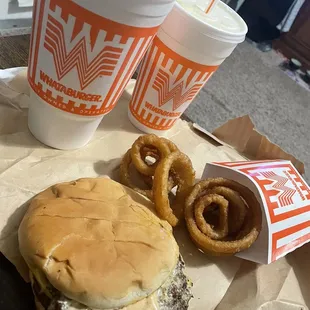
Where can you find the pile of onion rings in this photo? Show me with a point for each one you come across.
(222, 216)
(168, 169)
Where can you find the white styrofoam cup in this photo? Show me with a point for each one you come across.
(188, 49)
(82, 55)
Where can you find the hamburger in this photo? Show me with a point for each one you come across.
(96, 244)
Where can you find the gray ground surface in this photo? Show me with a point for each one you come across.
(250, 82)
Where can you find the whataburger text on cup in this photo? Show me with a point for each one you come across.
(82, 55)
(183, 56)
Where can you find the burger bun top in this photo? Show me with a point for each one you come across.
(98, 242)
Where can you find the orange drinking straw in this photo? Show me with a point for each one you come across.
(209, 6)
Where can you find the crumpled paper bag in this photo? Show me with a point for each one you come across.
(241, 133)
(282, 285)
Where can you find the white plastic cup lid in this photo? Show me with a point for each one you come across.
(222, 24)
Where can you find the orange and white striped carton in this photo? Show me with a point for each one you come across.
(285, 201)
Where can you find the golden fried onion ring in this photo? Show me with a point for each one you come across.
(153, 146)
(205, 202)
(237, 210)
(172, 182)
(171, 145)
(149, 152)
(126, 178)
(145, 152)
(240, 235)
(182, 167)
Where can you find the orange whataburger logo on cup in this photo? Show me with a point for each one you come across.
(102, 65)
(286, 198)
(79, 61)
(166, 85)
(161, 85)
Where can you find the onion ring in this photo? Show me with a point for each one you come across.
(147, 180)
(171, 145)
(153, 152)
(206, 228)
(126, 179)
(149, 152)
(157, 146)
(231, 191)
(172, 182)
(181, 165)
(237, 210)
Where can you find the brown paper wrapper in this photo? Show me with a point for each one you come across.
(28, 167)
(282, 285)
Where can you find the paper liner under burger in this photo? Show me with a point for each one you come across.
(25, 157)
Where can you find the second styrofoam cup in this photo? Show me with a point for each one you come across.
(187, 50)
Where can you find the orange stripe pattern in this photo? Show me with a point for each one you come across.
(286, 199)
(167, 83)
(80, 51)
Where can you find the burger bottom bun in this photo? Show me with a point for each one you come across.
(149, 303)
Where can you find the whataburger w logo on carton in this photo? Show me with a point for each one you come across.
(79, 61)
(285, 200)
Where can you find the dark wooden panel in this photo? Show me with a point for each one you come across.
(303, 33)
(296, 43)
